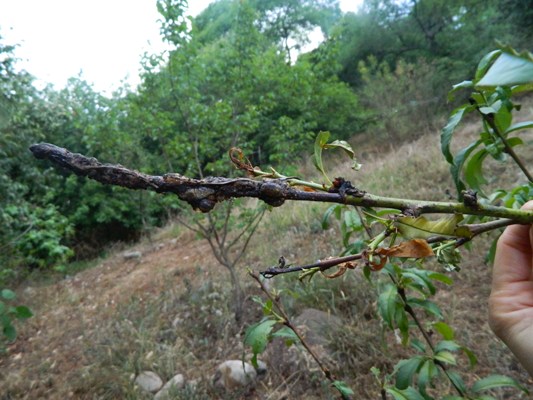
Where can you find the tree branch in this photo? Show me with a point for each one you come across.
(489, 119)
(288, 323)
(474, 229)
(203, 194)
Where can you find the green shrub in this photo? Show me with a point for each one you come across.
(38, 235)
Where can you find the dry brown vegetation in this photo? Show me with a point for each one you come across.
(170, 311)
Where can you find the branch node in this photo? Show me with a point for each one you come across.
(470, 198)
(273, 192)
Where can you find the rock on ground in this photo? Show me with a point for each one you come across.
(149, 381)
(231, 374)
(177, 382)
(132, 255)
(317, 326)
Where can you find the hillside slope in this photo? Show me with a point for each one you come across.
(169, 310)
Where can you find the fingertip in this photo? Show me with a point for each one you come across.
(528, 205)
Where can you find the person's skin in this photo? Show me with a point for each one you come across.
(511, 298)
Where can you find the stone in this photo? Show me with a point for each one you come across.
(177, 382)
(177, 322)
(231, 374)
(132, 255)
(317, 326)
(261, 369)
(149, 381)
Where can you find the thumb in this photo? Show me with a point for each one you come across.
(514, 253)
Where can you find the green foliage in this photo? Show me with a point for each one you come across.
(499, 75)
(42, 232)
(321, 143)
(451, 34)
(257, 336)
(403, 101)
(8, 314)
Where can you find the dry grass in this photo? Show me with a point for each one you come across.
(170, 312)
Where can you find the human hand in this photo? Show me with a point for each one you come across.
(511, 298)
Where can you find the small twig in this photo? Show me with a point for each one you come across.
(287, 322)
(320, 265)
(475, 229)
(367, 228)
(249, 237)
(489, 119)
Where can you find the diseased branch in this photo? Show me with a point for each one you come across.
(204, 194)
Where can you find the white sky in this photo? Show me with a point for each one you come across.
(103, 40)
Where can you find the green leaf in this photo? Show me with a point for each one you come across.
(472, 359)
(487, 110)
(508, 70)
(8, 294)
(347, 148)
(387, 304)
(444, 329)
(449, 256)
(426, 373)
(422, 228)
(503, 119)
(427, 305)
(419, 282)
(321, 140)
(445, 357)
(288, 334)
(406, 394)
(418, 345)
(485, 63)
(449, 345)
(405, 371)
(519, 126)
(457, 165)
(267, 308)
(496, 381)
(515, 141)
(474, 172)
(447, 132)
(457, 380)
(455, 88)
(522, 88)
(23, 312)
(327, 214)
(257, 337)
(352, 220)
(321, 143)
(402, 322)
(344, 389)
(9, 332)
(436, 276)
